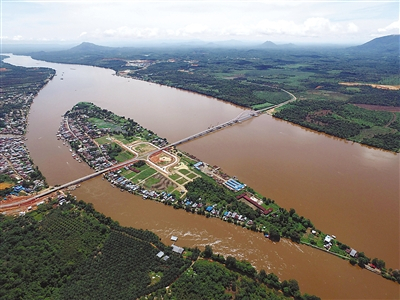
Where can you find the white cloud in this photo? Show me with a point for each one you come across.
(395, 26)
(289, 21)
(17, 38)
(352, 28)
(127, 32)
(311, 27)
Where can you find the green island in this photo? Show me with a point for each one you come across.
(65, 249)
(351, 93)
(178, 179)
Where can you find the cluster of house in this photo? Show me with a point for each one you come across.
(175, 249)
(15, 160)
(328, 244)
(82, 135)
(213, 211)
(123, 183)
(61, 199)
(14, 121)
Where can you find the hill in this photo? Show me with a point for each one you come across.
(86, 47)
(389, 43)
(268, 44)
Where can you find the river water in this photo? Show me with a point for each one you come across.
(346, 189)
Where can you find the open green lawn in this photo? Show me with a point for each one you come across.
(170, 189)
(104, 124)
(151, 181)
(181, 181)
(146, 173)
(184, 171)
(103, 140)
(191, 175)
(130, 175)
(175, 176)
(125, 140)
(123, 156)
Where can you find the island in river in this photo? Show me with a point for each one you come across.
(160, 172)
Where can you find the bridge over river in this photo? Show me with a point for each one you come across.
(243, 116)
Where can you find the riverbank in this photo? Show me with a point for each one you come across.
(19, 88)
(200, 188)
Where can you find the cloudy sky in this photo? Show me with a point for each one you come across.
(127, 22)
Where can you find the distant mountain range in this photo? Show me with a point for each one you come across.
(389, 43)
(89, 53)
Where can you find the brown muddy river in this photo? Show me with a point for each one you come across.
(346, 189)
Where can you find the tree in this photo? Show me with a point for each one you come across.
(379, 263)
(262, 276)
(230, 262)
(274, 235)
(208, 252)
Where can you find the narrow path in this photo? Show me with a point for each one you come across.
(394, 118)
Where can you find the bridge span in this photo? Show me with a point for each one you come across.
(243, 116)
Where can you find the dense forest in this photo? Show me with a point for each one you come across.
(342, 119)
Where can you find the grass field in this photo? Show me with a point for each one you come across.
(104, 124)
(103, 140)
(145, 173)
(184, 171)
(123, 156)
(175, 176)
(124, 140)
(151, 181)
(181, 181)
(191, 175)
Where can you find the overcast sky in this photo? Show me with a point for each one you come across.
(126, 22)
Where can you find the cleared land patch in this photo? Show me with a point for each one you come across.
(143, 148)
